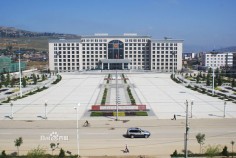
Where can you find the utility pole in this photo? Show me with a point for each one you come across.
(20, 74)
(213, 82)
(116, 96)
(224, 108)
(186, 132)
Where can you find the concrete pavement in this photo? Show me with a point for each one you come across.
(161, 95)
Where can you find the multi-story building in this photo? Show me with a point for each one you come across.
(105, 52)
(6, 65)
(218, 60)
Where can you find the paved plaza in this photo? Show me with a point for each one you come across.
(163, 98)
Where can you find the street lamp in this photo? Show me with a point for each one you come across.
(20, 73)
(77, 127)
(213, 80)
(224, 107)
(116, 92)
(11, 110)
(192, 108)
(58, 62)
(186, 131)
(45, 114)
(173, 67)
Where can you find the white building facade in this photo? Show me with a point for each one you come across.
(218, 60)
(105, 52)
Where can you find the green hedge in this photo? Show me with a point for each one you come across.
(121, 113)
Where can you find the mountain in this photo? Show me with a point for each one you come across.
(227, 49)
(6, 32)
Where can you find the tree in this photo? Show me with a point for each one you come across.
(52, 145)
(43, 77)
(8, 79)
(62, 153)
(233, 83)
(2, 78)
(36, 153)
(34, 79)
(200, 74)
(204, 77)
(198, 78)
(212, 151)
(217, 71)
(200, 139)
(18, 143)
(208, 80)
(24, 82)
(225, 151)
(232, 143)
(210, 71)
(12, 81)
(4, 154)
(219, 80)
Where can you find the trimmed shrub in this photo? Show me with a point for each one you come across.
(119, 113)
(141, 113)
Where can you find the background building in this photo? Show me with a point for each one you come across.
(105, 52)
(218, 60)
(6, 65)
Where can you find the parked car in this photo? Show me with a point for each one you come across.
(137, 133)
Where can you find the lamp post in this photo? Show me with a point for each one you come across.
(77, 127)
(11, 110)
(173, 66)
(20, 74)
(192, 108)
(45, 114)
(58, 62)
(213, 82)
(186, 131)
(116, 97)
(224, 107)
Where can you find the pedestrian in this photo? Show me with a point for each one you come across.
(174, 118)
(126, 149)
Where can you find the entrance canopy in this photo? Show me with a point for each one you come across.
(112, 64)
(113, 61)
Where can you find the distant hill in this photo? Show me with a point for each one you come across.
(17, 38)
(11, 32)
(227, 49)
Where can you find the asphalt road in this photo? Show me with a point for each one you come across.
(106, 136)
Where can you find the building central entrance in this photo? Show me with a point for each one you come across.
(115, 64)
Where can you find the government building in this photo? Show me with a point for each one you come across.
(124, 52)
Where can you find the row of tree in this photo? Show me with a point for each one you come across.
(210, 150)
(8, 80)
(220, 77)
(37, 152)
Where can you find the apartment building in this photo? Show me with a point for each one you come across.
(128, 51)
(218, 60)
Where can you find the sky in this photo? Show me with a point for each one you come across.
(202, 24)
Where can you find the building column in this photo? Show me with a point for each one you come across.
(123, 66)
(108, 64)
(102, 66)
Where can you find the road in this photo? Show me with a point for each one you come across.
(105, 136)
